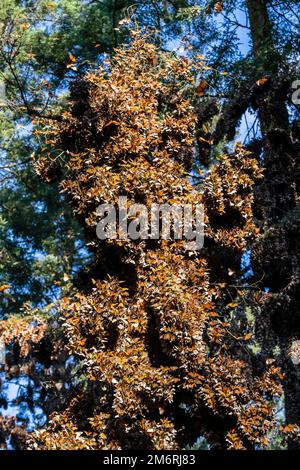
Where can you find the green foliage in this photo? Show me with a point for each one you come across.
(40, 240)
(45, 45)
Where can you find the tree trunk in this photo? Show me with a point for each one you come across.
(276, 255)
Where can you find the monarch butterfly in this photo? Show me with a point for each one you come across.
(262, 81)
(200, 89)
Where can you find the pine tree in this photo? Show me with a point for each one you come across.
(161, 364)
(259, 81)
(40, 240)
(256, 80)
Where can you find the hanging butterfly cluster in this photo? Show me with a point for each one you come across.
(160, 365)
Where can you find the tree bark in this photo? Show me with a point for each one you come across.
(276, 255)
